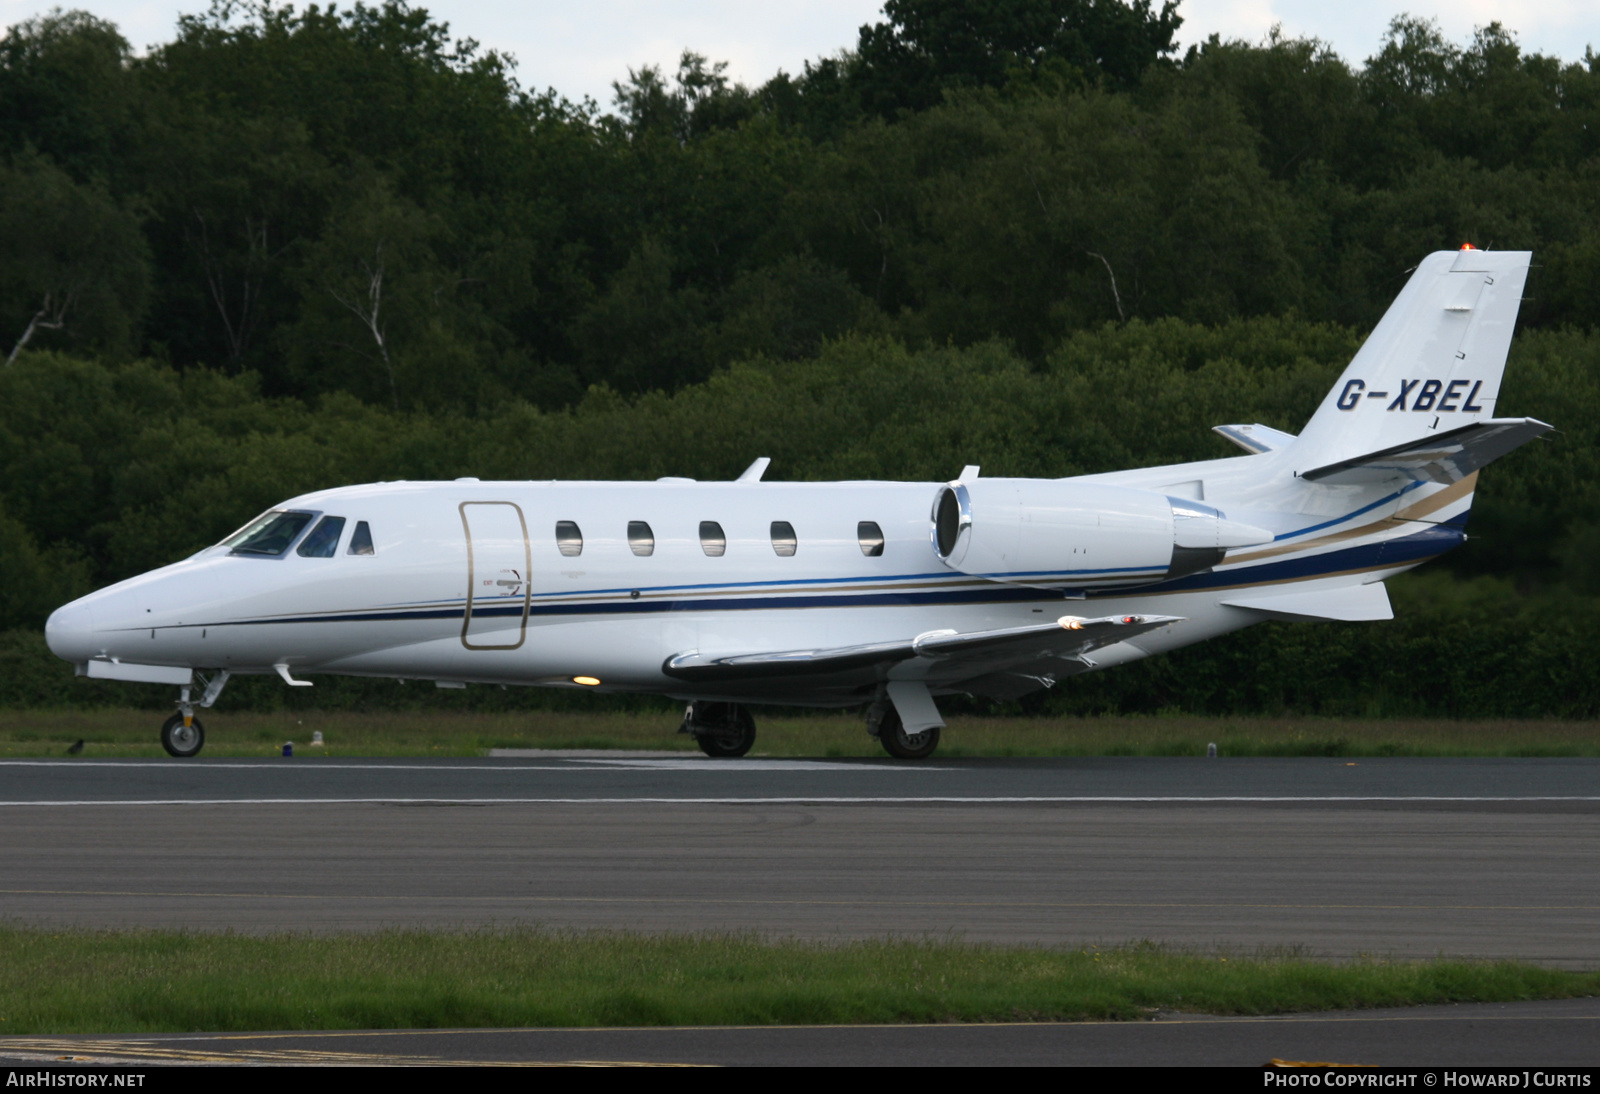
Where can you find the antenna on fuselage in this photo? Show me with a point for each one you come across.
(754, 472)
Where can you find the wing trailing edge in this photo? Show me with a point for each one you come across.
(945, 656)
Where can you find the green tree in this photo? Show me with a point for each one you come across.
(72, 261)
(68, 89)
(929, 47)
(37, 581)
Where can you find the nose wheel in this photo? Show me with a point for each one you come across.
(183, 736)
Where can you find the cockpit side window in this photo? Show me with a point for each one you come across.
(361, 540)
(323, 540)
(270, 534)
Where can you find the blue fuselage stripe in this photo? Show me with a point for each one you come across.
(1400, 551)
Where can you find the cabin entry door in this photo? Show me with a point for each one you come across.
(498, 560)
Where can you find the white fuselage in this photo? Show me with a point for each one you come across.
(468, 582)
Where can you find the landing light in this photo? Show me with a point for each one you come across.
(586, 681)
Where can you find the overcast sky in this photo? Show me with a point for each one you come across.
(580, 48)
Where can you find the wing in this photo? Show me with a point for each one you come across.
(1002, 663)
(1445, 457)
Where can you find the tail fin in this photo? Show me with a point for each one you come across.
(1432, 365)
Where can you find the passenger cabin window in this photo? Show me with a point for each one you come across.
(361, 540)
(270, 534)
(641, 540)
(712, 541)
(783, 538)
(870, 537)
(323, 540)
(568, 538)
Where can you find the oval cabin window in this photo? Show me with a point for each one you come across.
(569, 539)
(712, 541)
(870, 537)
(783, 538)
(641, 540)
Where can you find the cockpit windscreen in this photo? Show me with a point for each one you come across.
(270, 534)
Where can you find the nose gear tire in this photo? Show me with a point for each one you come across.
(180, 740)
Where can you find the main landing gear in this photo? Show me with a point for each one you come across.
(722, 730)
(182, 735)
(892, 735)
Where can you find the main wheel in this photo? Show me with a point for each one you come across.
(723, 730)
(902, 745)
(182, 740)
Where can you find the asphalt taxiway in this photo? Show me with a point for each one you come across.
(1398, 857)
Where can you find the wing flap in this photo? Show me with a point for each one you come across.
(1446, 457)
(948, 655)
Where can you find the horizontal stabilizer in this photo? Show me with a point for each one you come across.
(1444, 458)
(949, 654)
(1347, 604)
(1255, 438)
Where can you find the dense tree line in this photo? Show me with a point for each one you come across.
(348, 200)
(294, 248)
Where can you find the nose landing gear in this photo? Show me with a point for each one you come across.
(182, 735)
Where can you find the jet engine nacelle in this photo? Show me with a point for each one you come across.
(1078, 535)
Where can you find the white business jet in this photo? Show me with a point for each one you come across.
(882, 595)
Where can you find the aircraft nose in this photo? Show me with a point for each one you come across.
(70, 632)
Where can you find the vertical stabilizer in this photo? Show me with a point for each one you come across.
(1433, 363)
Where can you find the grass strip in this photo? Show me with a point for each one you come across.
(81, 981)
(133, 733)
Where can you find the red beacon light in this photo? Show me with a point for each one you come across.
(1468, 247)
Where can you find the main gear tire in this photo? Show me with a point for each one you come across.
(901, 745)
(724, 731)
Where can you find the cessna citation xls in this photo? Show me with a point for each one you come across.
(875, 594)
